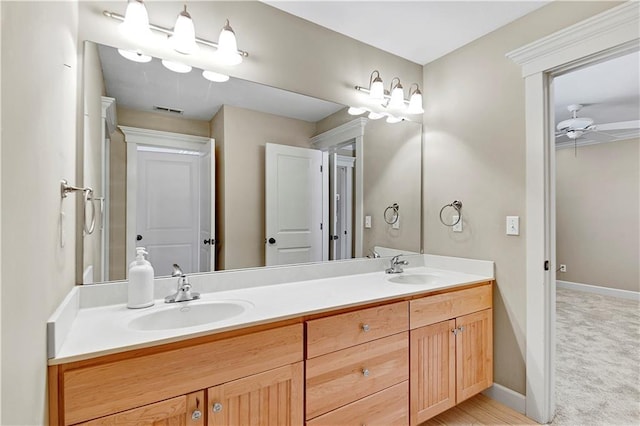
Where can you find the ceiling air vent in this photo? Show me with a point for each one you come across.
(167, 109)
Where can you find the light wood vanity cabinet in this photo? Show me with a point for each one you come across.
(398, 363)
(354, 361)
(451, 350)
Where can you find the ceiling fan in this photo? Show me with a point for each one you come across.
(575, 127)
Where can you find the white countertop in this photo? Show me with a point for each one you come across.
(102, 330)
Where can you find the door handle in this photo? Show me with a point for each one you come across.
(333, 237)
(271, 240)
(210, 241)
(139, 237)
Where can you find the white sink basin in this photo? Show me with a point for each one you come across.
(420, 279)
(189, 314)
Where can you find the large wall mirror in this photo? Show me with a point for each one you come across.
(227, 175)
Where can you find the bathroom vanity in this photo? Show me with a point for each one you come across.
(363, 348)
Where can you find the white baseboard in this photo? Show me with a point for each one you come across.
(506, 396)
(605, 291)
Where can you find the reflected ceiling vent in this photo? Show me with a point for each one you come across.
(167, 109)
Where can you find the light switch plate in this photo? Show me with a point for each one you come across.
(367, 221)
(513, 225)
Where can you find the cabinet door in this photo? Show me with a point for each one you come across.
(273, 398)
(474, 363)
(186, 410)
(433, 373)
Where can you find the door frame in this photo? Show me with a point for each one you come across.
(134, 136)
(351, 132)
(608, 34)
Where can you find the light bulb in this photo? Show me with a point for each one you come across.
(376, 92)
(376, 115)
(356, 111)
(176, 66)
(135, 56)
(183, 39)
(227, 52)
(215, 76)
(415, 103)
(136, 21)
(397, 97)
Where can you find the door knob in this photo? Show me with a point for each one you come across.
(217, 407)
(139, 237)
(271, 240)
(210, 241)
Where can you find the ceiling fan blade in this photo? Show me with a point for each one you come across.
(620, 125)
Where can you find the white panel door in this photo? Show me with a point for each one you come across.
(293, 205)
(167, 217)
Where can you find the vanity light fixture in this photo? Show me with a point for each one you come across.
(415, 100)
(135, 23)
(397, 94)
(228, 46)
(216, 77)
(375, 115)
(135, 55)
(183, 39)
(176, 66)
(394, 97)
(376, 87)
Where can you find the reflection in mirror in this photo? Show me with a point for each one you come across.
(235, 174)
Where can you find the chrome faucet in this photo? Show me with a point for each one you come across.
(396, 265)
(183, 293)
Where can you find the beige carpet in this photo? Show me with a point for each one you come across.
(598, 360)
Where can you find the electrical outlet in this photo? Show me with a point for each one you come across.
(458, 226)
(563, 268)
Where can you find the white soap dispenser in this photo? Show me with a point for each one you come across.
(140, 281)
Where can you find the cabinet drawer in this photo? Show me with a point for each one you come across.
(385, 408)
(97, 390)
(337, 332)
(441, 307)
(341, 377)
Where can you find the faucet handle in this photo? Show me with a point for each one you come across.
(177, 272)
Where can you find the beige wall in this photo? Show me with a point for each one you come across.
(117, 207)
(246, 133)
(90, 245)
(392, 175)
(40, 72)
(598, 216)
(475, 152)
(161, 121)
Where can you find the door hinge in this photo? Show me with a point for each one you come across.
(321, 227)
(321, 169)
(546, 265)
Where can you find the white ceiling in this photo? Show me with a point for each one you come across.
(420, 31)
(609, 92)
(143, 86)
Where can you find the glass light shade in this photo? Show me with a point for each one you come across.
(415, 104)
(397, 97)
(376, 91)
(376, 115)
(183, 39)
(136, 21)
(393, 120)
(176, 66)
(356, 111)
(216, 77)
(227, 52)
(135, 56)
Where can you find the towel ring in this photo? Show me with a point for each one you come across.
(457, 205)
(391, 214)
(88, 200)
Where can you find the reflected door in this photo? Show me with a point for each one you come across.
(167, 216)
(293, 205)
